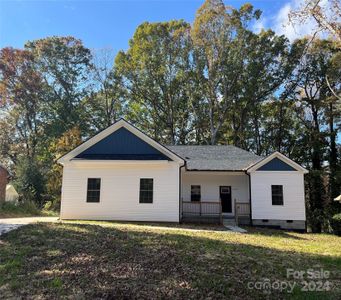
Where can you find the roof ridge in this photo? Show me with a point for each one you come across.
(203, 146)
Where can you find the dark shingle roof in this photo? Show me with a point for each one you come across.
(215, 158)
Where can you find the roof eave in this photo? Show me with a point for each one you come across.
(213, 170)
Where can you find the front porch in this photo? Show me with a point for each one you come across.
(212, 197)
(211, 212)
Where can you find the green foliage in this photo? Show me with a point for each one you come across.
(56, 283)
(315, 106)
(156, 71)
(68, 141)
(65, 65)
(335, 222)
(22, 91)
(25, 208)
(42, 92)
(237, 70)
(30, 182)
(52, 205)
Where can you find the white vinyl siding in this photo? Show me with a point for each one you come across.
(293, 207)
(120, 188)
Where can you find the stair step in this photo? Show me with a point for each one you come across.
(229, 222)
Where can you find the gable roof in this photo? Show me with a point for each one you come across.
(106, 146)
(280, 156)
(122, 145)
(276, 164)
(215, 158)
(76, 154)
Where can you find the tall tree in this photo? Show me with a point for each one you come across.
(281, 130)
(42, 90)
(65, 65)
(315, 109)
(326, 16)
(237, 69)
(219, 39)
(106, 101)
(155, 71)
(268, 63)
(22, 91)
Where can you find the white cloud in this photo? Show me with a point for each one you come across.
(260, 24)
(281, 25)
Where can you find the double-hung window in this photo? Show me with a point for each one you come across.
(94, 190)
(277, 194)
(146, 190)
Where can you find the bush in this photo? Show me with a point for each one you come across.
(52, 205)
(30, 182)
(336, 224)
(27, 208)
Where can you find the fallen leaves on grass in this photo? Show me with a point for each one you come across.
(125, 261)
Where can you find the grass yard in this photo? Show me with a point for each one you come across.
(133, 261)
(20, 210)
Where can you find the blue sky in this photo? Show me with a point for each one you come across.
(107, 23)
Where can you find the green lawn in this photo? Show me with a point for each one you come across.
(26, 209)
(134, 261)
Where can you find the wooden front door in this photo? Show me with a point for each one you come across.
(226, 199)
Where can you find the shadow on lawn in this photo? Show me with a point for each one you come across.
(276, 233)
(90, 261)
(206, 227)
(184, 225)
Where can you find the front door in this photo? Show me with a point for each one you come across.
(225, 198)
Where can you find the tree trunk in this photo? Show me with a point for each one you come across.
(333, 188)
(317, 191)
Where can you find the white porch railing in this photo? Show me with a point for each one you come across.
(202, 209)
(241, 209)
(213, 209)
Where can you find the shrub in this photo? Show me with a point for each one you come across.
(30, 181)
(336, 224)
(26, 208)
(52, 205)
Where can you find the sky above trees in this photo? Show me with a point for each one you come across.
(111, 23)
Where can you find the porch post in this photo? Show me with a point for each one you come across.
(235, 211)
(221, 212)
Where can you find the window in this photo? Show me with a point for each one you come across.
(277, 194)
(146, 190)
(94, 190)
(195, 193)
(225, 190)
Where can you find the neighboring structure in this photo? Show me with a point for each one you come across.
(4, 176)
(122, 174)
(11, 194)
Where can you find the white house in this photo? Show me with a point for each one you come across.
(122, 174)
